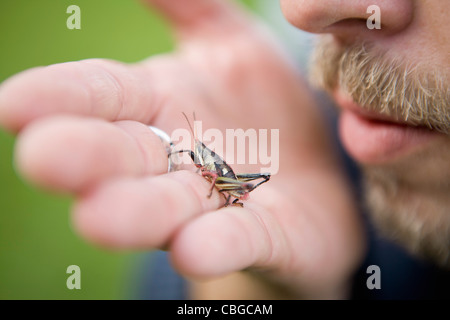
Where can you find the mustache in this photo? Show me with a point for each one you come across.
(377, 82)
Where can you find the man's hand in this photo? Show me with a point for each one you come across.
(82, 129)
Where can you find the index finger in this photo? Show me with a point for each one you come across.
(99, 88)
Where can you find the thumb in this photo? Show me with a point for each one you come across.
(194, 18)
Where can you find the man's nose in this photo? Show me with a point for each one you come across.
(347, 17)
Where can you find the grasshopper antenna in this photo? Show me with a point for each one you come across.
(190, 127)
(195, 127)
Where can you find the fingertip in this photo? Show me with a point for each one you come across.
(95, 87)
(30, 156)
(73, 153)
(13, 95)
(62, 153)
(41, 91)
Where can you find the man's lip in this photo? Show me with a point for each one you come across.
(345, 102)
(372, 138)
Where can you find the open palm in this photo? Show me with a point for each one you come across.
(82, 129)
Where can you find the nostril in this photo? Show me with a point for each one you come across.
(348, 29)
(347, 25)
(350, 23)
(351, 29)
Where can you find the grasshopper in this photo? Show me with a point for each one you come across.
(220, 174)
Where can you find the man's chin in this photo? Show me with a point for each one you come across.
(409, 203)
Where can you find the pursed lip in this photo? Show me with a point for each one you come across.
(372, 138)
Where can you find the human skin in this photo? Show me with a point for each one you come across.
(401, 138)
(299, 234)
(394, 109)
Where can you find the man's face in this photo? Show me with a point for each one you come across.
(392, 86)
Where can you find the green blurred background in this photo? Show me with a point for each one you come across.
(37, 242)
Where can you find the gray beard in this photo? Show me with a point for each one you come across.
(410, 204)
